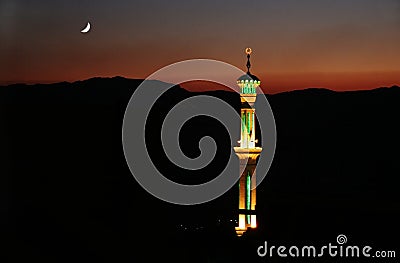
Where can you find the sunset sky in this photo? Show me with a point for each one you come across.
(340, 45)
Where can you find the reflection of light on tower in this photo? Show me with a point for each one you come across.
(253, 221)
(242, 223)
(247, 150)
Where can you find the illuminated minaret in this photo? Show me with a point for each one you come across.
(247, 151)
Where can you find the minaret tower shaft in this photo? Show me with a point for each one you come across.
(247, 150)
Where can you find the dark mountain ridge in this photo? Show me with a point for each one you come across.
(68, 192)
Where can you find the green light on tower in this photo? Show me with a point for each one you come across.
(248, 194)
(248, 123)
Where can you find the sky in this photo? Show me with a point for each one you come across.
(335, 44)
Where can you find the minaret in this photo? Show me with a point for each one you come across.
(247, 151)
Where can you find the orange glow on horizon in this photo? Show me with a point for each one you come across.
(270, 83)
(340, 81)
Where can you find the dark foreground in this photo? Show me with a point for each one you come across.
(68, 195)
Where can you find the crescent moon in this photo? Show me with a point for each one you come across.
(86, 29)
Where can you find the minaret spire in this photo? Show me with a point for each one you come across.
(248, 65)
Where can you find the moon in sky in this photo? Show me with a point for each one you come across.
(86, 29)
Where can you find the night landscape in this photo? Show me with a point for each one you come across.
(329, 70)
(70, 193)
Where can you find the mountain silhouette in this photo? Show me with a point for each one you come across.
(67, 191)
